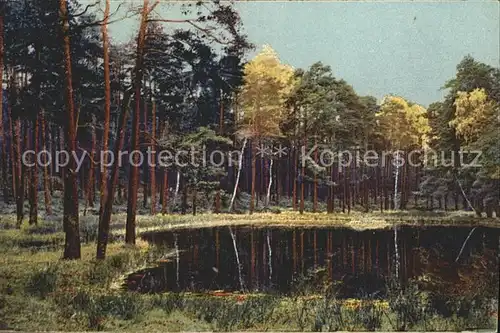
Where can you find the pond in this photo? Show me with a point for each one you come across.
(272, 259)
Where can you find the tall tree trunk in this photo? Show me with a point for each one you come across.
(268, 196)
(315, 185)
(153, 169)
(19, 184)
(91, 178)
(134, 169)
(252, 193)
(105, 218)
(177, 186)
(70, 215)
(50, 146)
(184, 198)
(34, 177)
(302, 179)
(221, 132)
(277, 175)
(294, 185)
(107, 107)
(194, 201)
(12, 151)
(240, 162)
(5, 186)
(396, 194)
(164, 204)
(46, 179)
(145, 168)
(62, 147)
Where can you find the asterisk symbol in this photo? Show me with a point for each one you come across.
(263, 150)
(280, 151)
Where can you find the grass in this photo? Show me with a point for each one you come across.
(290, 219)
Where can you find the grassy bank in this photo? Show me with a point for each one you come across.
(289, 219)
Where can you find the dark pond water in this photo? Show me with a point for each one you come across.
(269, 259)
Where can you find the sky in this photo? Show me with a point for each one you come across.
(408, 49)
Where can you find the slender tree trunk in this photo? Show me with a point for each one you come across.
(396, 194)
(46, 179)
(315, 185)
(12, 152)
(294, 186)
(34, 177)
(25, 170)
(5, 186)
(164, 208)
(268, 196)
(184, 199)
(348, 187)
(70, 215)
(50, 146)
(302, 179)
(105, 219)
(145, 168)
(221, 132)
(107, 108)
(279, 180)
(61, 148)
(18, 167)
(91, 178)
(194, 201)
(153, 169)
(134, 168)
(240, 162)
(252, 193)
(177, 185)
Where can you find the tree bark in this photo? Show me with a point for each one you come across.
(34, 177)
(315, 190)
(254, 159)
(91, 178)
(46, 179)
(5, 186)
(221, 132)
(107, 107)
(164, 208)
(12, 151)
(153, 169)
(268, 196)
(240, 162)
(294, 185)
(105, 218)
(302, 179)
(145, 168)
(70, 215)
(134, 169)
(18, 181)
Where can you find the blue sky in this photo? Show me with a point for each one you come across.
(402, 48)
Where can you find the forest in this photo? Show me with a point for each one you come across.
(190, 126)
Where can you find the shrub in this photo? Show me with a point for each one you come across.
(409, 304)
(42, 282)
(89, 225)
